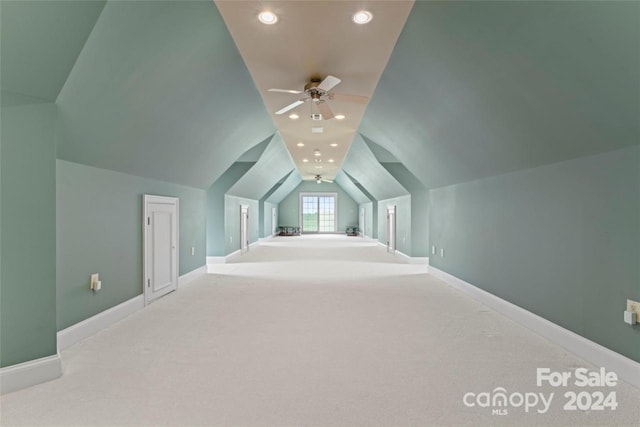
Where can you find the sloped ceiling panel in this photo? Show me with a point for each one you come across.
(161, 91)
(475, 89)
(350, 188)
(274, 163)
(404, 177)
(362, 165)
(40, 42)
(286, 188)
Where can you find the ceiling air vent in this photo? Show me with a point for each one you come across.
(316, 116)
(316, 130)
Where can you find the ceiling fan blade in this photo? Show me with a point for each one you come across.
(285, 91)
(323, 107)
(349, 98)
(291, 106)
(328, 83)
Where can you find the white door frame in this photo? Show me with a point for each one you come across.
(148, 199)
(391, 229)
(244, 229)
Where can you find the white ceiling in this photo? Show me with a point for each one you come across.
(315, 39)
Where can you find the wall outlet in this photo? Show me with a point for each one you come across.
(441, 252)
(93, 284)
(634, 307)
(433, 250)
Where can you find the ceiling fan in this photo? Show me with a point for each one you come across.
(319, 179)
(317, 91)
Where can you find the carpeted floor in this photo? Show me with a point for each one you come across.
(311, 331)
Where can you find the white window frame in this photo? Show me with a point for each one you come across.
(318, 194)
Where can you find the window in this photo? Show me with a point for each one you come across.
(318, 212)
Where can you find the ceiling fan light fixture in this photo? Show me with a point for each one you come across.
(317, 153)
(267, 17)
(362, 17)
(319, 181)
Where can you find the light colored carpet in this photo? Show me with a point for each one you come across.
(308, 331)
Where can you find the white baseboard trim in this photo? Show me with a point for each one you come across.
(189, 277)
(27, 374)
(414, 259)
(213, 260)
(627, 369)
(232, 254)
(94, 324)
(257, 242)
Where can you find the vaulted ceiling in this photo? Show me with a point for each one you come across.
(177, 90)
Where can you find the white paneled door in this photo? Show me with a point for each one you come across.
(160, 246)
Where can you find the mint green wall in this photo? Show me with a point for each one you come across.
(289, 208)
(215, 207)
(363, 166)
(28, 233)
(289, 184)
(272, 166)
(562, 241)
(232, 221)
(99, 228)
(403, 222)
(41, 41)
(160, 90)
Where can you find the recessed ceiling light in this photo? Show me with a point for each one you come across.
(294, 116)
(305, 160)
(300, 144)
(330, 160)
(333, 144)
(270, 18)
(316, 130)
(340, 116)
(362, 17)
